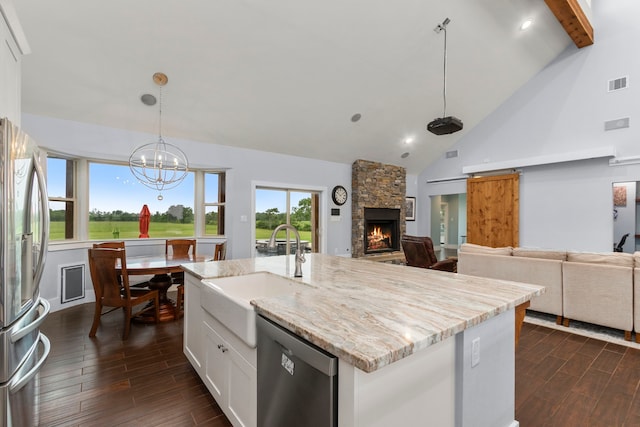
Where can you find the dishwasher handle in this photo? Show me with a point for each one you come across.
(295, 346)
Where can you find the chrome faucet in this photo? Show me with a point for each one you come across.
(299, 254)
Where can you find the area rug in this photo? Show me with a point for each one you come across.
(602, 333)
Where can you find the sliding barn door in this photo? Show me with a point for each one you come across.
(492, 210)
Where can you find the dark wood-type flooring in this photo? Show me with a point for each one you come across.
(567, 380)
(103, 381)
(562, 379)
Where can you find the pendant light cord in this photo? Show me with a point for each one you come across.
(444, 88)
(160, 115)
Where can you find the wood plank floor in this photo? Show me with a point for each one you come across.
(562, 379)
(567, 380)
(103, 381)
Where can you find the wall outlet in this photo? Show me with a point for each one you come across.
(475, 352)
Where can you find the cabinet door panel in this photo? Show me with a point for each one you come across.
(242, 390)
(215, 368)
(9, 75)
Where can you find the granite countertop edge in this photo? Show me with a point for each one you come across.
(338, 292)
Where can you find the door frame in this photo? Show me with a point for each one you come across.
(322, 203)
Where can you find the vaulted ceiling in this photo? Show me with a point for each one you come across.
(285, 76)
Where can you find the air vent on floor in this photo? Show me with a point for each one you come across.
(617, 84)
(452, 154)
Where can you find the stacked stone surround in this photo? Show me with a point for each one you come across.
(375, 185)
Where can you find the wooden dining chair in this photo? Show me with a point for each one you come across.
(112, 289)
(180, 248)
(109, 245)
(135, 282)
(220, 251)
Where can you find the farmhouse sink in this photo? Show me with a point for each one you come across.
(228, 300)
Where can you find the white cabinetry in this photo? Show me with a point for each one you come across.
(226, 365)
(231, 379)
(13, 46)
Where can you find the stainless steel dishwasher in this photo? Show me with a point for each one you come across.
(297, 381)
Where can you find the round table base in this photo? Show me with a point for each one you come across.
(161, 282)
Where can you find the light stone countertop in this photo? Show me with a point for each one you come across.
(371, 314)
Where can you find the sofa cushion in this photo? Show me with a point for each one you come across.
(619, 259)
(479, 249)
(598, 293)
(540, 253)
(636, 259)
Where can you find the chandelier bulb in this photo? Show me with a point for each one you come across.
(160, 197)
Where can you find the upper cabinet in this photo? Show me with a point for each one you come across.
(14, 46)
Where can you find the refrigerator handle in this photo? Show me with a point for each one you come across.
(44, 201)
(17, 335)
(16, 385)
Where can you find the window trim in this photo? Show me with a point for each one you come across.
(74, 189)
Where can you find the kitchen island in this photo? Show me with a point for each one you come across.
(415, 346)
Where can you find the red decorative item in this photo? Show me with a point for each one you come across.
(145, 218)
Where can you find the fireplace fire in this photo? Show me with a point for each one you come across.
(382, 229)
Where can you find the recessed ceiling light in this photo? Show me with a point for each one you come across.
(526, 24)
(356, 117)
(148, 99)
(408, 140)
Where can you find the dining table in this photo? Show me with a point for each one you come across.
(161, 267)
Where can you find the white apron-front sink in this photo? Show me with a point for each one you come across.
(228, 299)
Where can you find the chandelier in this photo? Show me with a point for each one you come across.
(159, 165)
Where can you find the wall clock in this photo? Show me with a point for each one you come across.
(339, 195)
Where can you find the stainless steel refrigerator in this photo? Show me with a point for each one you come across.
(24, 230)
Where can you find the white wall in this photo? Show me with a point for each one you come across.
(562, 110)
(244, 167)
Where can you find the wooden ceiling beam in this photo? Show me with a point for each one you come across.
(573, 20)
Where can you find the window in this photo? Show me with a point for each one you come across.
(275, 206)
(116, 199)
(61, 188)
(214, 201)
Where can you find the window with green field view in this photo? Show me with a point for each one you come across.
(116, 201)
(61, 175)
(214, 200)
(275, 206)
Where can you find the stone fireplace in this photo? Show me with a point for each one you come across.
(379, 190)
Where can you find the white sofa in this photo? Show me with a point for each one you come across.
(596, 288)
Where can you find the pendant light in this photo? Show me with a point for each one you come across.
(444, 125)
(159, 165)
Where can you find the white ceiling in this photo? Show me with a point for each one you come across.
(285, 75)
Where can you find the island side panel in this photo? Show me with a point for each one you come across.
(416, 390)
(193, 334)
(485, 393)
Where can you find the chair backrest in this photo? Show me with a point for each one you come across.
(180, 248)
(418, 251)
(109, 284)
(109, 245)
(220, 251)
